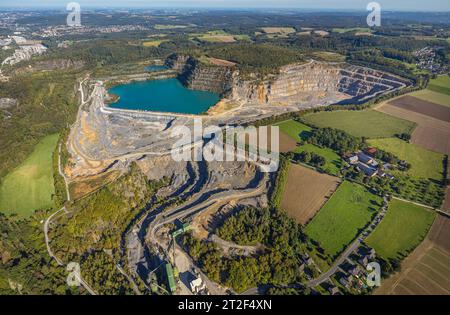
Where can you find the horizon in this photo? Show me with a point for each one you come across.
(318, 5)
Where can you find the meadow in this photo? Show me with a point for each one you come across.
(300, 133)
(30, 185)
(363, 123)
(401, 230)
(434, 97)
(424, 163)
(339, 221)
(441, 84)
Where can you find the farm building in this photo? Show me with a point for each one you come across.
(369, 171)
(370, 151)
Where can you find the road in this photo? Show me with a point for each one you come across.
(350, 249)
(54, 216)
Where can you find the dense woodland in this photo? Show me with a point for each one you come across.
(282, 244)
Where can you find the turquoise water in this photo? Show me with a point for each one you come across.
(167, 95)
(155, 68)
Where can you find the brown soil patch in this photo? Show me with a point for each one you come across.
(432, 139)
(278, 30)
(446, 204)
(83, 187)
(306, 192)
(286, 143)
(221, 62)
(422, 107)
(431, 133)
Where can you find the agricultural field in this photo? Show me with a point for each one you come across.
(434, 97)
(305, 192)
(153, 43)
(278, 30)
(401, 230)
(333, 161)
(355, 29)
(424, 163)
(30, 186)
(300, 133)
(426, 108)
(295, 130)
(339, 221)
(218, 36)
(170, 26)
(426, 270)
(441, 84)
(430, 133)
(365, 123)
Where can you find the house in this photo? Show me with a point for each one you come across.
(354, 270)
(372, 253)
(364, 260)
(346, 281)
(370, 151)
(309, 261)
(301, 268)
(365, 158)
(333, 290)
(369, 171)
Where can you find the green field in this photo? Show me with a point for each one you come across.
(361, 123)
(339, 221)
(355, 29)
(441, 84)
(295, 130)
(30, 186)
(434, 97)
(424, 163)
(401, 230)
(301, 132)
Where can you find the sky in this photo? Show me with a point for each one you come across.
(399, 5)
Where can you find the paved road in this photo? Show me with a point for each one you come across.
(47, 240)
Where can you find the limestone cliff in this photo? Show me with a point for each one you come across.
(200, 76)
(294, 84)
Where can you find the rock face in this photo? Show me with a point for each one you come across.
(198, 76)
(294, 83)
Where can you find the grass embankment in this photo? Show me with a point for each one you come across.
(30, 186)
(364, 123)
(401, 230)
(340, 220)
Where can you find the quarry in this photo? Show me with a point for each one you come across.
(105, 138)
